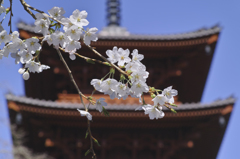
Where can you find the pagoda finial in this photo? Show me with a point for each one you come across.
(113, 12)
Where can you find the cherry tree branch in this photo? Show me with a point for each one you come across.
(72, 79)
(91, 141)
(81, 95)
(88, 59)
(11, 14)
(105, 59)
(26, 7)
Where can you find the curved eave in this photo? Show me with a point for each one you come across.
(69, 109)
(198, 34)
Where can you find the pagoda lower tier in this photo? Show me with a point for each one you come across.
(57, 128)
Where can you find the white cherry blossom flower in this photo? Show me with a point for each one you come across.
(41, 27)
(35, 67)
(14, 36)
(43, 67)
(169, 92)
(72, 55)
(26, 56)
(59, 38)
(67, 24)
(123, 57)
(16, 56)
(100, 103)
(139, 76)
(136, 57)
(79, 18)
(84, 113)
(20, 44)
(111, 93)
(32, 66)
(112, 54)
(4, 37)
(160, 99)
(32, 45)
(109, 84)
(139, 87)
(74, 32)
(48, 39)
(133, 67)
(44, 16)
(154, 112)
(90, 35)
(96, 83)
(122, 90)
(10, 47)
(72, 45)
(57, 12)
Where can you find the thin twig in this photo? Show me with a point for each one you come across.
(81, 95)
(91, 141)
(26, 7)
(11, 14)
(104, 58)
(87, 58)
(72, 79)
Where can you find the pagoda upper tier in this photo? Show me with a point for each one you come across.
(180, 60)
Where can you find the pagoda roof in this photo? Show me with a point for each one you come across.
(120, 107)
(182, 36)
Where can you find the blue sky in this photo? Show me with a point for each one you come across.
(153, 17)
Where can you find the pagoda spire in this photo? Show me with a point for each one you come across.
(113, 27)
(113, 13)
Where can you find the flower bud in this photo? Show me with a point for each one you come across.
(21, 70)
(112, 70)
(153, 95)
(26, 75)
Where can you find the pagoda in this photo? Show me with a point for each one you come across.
(49, 116)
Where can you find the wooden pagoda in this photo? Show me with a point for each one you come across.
(49, 116)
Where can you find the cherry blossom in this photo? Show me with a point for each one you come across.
(100, 103)
(4, 37)
(41, 27)
(74, 32)
(79, 18)
(112, 54)
(84, 113)
(123, 57)
(154, 112)
(169, 92)
(160, 99)
(57, 12)
(32, 45)
(136, 57)
(90, 35)
(96, 84)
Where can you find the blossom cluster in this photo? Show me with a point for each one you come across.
(22, 52)
(72, 26)
(135, 85)
(27, 53)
